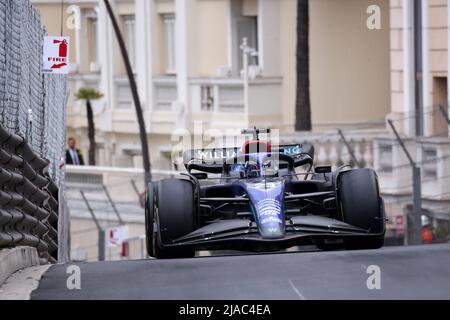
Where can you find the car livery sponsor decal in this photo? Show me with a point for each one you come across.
(215, 154)
(269, 216)
(266, 198)
(292, 150)
(269, 211)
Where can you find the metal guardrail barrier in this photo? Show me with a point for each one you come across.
(135, 244)
(28, 198)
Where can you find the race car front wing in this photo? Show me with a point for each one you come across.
(242, 234)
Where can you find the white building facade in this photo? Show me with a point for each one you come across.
(188, 65)
(184, 69)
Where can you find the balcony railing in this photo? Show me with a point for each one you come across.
(331, 150)
(165, 93)
(124, 98)
(218, 95)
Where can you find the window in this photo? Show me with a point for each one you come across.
(246, 27)
(385, 158)
(124, 96)
(244, 24)
(93, 40)
(169, 39)
(165, 93)
(130, 38)
(231, 98)
(440, 96)
(429, 161)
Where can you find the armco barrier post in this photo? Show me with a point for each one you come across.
(63, 229)
(417, 192)
(101, 232)
(101, 245)
(350, 149)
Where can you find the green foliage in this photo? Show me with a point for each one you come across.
(442, 231)
(88, 94)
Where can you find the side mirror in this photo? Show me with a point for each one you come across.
(322, 169)
(200, 175)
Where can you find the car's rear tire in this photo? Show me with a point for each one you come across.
(361, 205)
(175, 215)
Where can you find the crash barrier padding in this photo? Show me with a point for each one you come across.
(28, 198)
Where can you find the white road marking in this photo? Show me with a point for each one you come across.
(300, 295)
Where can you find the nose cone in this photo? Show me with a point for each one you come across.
(266, 198)
(270, 218)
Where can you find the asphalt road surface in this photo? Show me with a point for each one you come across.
(405, 273)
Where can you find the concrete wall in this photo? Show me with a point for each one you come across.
(435, 67)
(14, 259)
(438, 65)
(211, 40)
(349, 68)
(288, 15)
(112, 154)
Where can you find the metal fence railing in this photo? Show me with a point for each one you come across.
(32, 135)
(28, 198)
(100, 198)
(32, 104)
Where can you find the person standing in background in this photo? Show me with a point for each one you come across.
(73, 155)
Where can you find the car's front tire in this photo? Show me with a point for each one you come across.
(175, 216)
(361, 205)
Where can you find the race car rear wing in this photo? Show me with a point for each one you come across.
(217, 156)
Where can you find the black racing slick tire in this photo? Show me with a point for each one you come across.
(361, 205)
(175, 216)
(150, 202)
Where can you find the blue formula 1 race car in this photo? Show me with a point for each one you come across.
(262, 198)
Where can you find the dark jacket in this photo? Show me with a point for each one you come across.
(69, 159)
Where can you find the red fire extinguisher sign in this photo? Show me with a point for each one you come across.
(56, 55)
(62, 47)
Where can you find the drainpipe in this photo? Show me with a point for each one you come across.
(418, 67)
(408, 67)
(427, 104)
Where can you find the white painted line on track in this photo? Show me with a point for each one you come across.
(299, 294)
